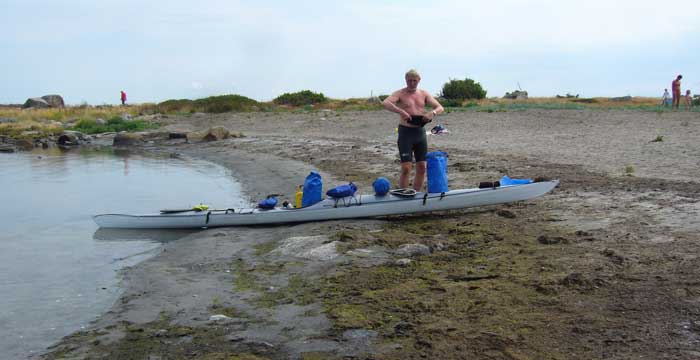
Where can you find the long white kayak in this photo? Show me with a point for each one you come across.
(358, 206)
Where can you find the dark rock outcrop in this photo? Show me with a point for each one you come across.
(55, 101)
(35, 103)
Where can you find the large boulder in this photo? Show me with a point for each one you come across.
(71, 138)
(217, 133)
(54, 100)
(35, 103)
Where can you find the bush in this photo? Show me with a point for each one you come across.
(305, 97)
(170, 106)
(450, 102)
(225, 103)
(462, 89)
(696, 101)
(212, 104)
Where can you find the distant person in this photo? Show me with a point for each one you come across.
(676, 90)
(410, 103)
(688, 100)
(123, 97)
(666, 98)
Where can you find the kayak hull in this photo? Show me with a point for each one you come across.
(359, 206)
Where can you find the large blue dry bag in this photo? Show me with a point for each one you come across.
(506, 181)
(313, 189)
(437, 172)
(381, 186)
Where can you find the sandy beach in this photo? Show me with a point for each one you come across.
(606, 266)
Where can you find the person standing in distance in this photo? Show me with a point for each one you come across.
(123, 97)
(676, 90)
(410, 103)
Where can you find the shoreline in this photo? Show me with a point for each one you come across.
(620, 234)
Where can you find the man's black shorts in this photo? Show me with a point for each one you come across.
(412, 143)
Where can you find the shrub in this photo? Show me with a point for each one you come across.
(696, 101)
(225, 103)
(170, 106)
(450, 102)
(462, 89)
(304, 97)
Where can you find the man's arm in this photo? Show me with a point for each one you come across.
(390, 104)
(437, 108)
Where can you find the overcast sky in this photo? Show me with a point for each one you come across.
(87, 51)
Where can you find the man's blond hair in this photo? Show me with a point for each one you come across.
(412, 73)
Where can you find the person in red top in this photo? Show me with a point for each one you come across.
(676, 90)
(123, 97)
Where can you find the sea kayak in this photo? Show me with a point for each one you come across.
(358, 206)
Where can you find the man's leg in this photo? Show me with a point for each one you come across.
(405, 173)
(420, 176)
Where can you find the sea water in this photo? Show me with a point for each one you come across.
(58, 271)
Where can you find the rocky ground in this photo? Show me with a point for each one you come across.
(606, 266)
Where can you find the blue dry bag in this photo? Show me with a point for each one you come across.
(381, 186)
(313, 189)
(268, 203)
(506, 181)
(437, 171)
(342, 191)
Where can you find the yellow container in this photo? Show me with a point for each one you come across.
(298, 196)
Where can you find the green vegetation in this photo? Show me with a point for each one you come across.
(301, 98)
(225, 103)
(160, 339)
(115, 124)
(462, 90)
(659, 138)
(629, 170)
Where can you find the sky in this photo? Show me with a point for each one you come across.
(87, 51)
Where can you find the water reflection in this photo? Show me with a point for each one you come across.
(159, 235)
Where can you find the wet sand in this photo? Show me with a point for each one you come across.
(604, 267)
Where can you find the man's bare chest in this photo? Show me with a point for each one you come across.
(416, 101)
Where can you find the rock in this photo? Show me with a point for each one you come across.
(219, 317)
(516, 95)
(127, 139)
(24, 144)
(411, 250)
(505, 213)
(68, 140)
(55, 101)
(7, 120)
(216, 133)
(403, 262)
(35, 103)
(546, 240)
(125, 117)
(177, 135)
(309, 247)
(100, 121)
(7, 148)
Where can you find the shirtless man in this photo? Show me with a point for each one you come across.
(410, 103)
(676, 90)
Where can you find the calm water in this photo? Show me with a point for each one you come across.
(58, 272)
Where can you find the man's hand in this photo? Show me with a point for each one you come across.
(428, 117)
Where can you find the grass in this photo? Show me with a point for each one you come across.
(52, 120)
(116, 124)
